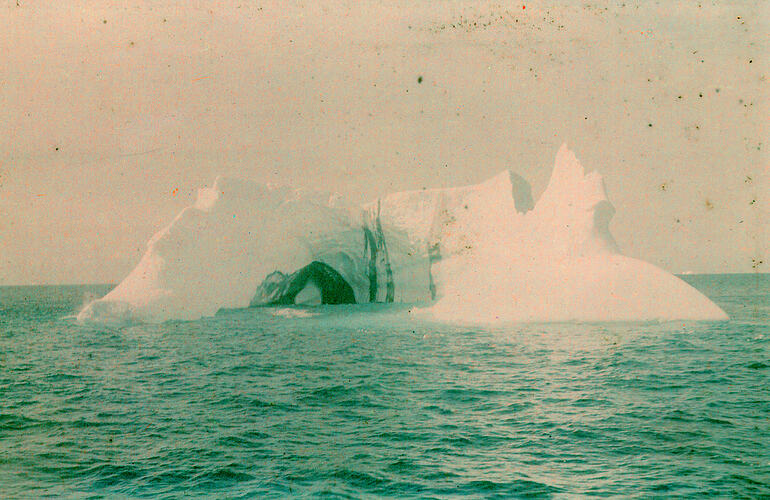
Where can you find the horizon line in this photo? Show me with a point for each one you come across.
(18, 285)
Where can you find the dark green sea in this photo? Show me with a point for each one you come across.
(367, 402)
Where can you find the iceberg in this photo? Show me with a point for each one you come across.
(474, 254)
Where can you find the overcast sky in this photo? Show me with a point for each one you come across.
(114, 113)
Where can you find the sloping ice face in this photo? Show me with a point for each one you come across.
(475, 254)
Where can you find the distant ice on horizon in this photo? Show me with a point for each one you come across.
(476, 254)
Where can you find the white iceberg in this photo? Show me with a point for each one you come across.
(472, 254)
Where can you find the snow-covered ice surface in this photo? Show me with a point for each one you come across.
(474, 254)
(557, 262)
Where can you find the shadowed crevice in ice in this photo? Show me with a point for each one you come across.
(522, 193)
(377, 258)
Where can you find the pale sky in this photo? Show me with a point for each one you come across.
(114, 113)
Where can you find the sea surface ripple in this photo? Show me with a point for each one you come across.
(364, 401)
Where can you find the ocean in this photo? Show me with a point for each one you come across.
(368, 402)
